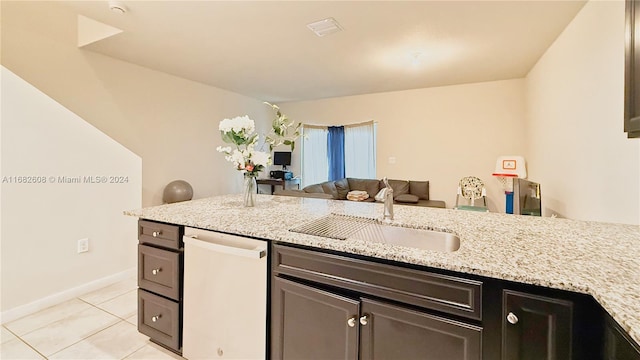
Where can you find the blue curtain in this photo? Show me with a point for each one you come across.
(335, 152)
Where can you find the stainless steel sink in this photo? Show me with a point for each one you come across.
(351, 227)
(409, 237)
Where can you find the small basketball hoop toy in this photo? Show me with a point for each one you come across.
(507, 169)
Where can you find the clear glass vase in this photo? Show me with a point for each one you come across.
(250, 190)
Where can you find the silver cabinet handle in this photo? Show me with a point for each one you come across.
(512, 318)
(156, 318)
(156, 271)
(351, 322)
(156, 233)
(364, 320)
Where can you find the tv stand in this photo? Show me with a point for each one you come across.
(279, 182)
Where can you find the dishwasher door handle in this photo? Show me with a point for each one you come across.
(222, 245)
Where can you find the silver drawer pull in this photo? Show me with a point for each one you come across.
(156, 271)
(364, 320)
(512, 318)
(351, 322)
(156, 318)
(156, 233)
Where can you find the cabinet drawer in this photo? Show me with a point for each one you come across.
(159, 318)
(159, 271)
(448, 294)
(169, 236)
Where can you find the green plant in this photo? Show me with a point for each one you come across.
(284, 131)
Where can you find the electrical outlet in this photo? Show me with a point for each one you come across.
(83, 245)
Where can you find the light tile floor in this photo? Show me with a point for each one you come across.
(98, 325)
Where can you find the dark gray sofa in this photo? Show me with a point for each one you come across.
(405, 192)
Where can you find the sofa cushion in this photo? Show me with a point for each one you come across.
(315, 188)
(371, 186)
(406, 198)
(329, 187)
(342, 187)
(420, 189)
(399, 186)
(300, 193)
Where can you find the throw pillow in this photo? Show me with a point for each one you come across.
(420, 189)
(342, 187)
(380, 195)
(399, 187)
(371, 186)
(315, 188)
(406, 198)
(329, 187)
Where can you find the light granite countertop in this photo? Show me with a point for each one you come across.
(599, 259)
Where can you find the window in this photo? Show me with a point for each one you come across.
(314, 155)
(359, 152)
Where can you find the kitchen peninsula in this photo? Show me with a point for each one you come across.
(586, 258)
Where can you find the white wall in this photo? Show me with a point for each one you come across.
(42, 221)
(437, 134)
(170, 122)
(577, 148)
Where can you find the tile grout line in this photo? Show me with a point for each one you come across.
(91, 334)
(120, 319)
(53, 322)
(109, 299)
(85, 338)
(25, 342)
(99, 308)
(133, 352)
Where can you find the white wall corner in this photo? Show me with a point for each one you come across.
(90, 31)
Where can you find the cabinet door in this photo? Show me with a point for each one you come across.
(535, 327)
(308, 323)
(393, 332)
(617, 344)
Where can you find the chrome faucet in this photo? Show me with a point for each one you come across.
(388, 201)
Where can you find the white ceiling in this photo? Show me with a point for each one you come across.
(263, 49)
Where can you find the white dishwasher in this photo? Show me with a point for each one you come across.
(225, 296)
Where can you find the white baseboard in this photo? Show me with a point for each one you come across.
(40, 304)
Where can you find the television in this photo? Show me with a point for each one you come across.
(282, 158)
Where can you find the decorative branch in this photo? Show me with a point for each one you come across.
(284, 131)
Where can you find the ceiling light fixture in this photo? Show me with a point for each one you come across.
(325, 27)
(117, 7)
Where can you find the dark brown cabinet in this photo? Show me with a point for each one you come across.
(618, 345)
(160, 278)
(159, 318)
(309, 323)
(632, 71)
(322, 307)
(394, 332)
(535, 327)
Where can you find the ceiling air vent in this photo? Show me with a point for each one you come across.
(325, 27)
